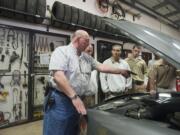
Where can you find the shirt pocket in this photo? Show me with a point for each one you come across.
(85, 68)
(72, 66)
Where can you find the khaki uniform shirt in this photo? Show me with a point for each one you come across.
(139, 67)
(162, 74)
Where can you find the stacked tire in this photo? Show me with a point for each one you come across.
(34, 7)
(73, 15)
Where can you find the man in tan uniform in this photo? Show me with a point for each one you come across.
(138, 66)
(160, 76)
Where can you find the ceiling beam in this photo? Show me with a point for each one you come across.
(177, 21)
(133, 2)
(175, 3)
(175, 25)
(171, 13)
(160, 5)
(170, 22)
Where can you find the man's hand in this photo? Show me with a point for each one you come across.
(152, 92)
(125, 73)
(79, 105)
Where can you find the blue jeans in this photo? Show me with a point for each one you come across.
(61, 118)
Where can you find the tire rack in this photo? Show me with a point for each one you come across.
(93, 32)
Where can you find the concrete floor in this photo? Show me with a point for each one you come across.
(34, 128)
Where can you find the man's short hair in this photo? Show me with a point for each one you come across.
(80, 33)
(137, 46)
(117, 46)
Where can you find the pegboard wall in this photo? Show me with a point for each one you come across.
(17, 81)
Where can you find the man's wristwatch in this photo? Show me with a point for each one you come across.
(74, 97)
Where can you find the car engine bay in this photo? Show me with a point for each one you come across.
(162, 107)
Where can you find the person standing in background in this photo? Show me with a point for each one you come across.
(160, 76)
(111, 84)
(139, 67)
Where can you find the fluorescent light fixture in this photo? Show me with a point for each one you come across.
(150, 33)
(177, 46)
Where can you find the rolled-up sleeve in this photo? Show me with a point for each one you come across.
(94, 63)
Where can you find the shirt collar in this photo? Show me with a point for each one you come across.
(113, 61)
(73, 49)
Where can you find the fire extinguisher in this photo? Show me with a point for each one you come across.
(178, 80)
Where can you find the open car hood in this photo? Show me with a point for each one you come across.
(157, 42)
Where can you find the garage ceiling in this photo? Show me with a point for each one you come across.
(166, 10)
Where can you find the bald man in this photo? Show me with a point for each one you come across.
(70, 70)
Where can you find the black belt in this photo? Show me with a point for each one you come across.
(62, 93)
(137, 82)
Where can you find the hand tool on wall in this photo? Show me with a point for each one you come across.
(25, 45)
(25, 81)
(3, 31)
(2, 58)
(26, 103)
(20, 105)
(7, 51)
(21, 58)
(40, 44)
(52, 47)
(1, 86)
(15, 100)
(20, 96)
(35, 43)
(13, 57)
(36, 93)
(26, 108)
(42, 48)
(46, 45)
(1, 116)
(16, 78)
(41, 79)
(20, 111)
(4, 120)
(15, 112)
(17, 38)
(1, 43)
(11, 34)
(26, 64)
(2, 36)
(1, 50)
(28, 46)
